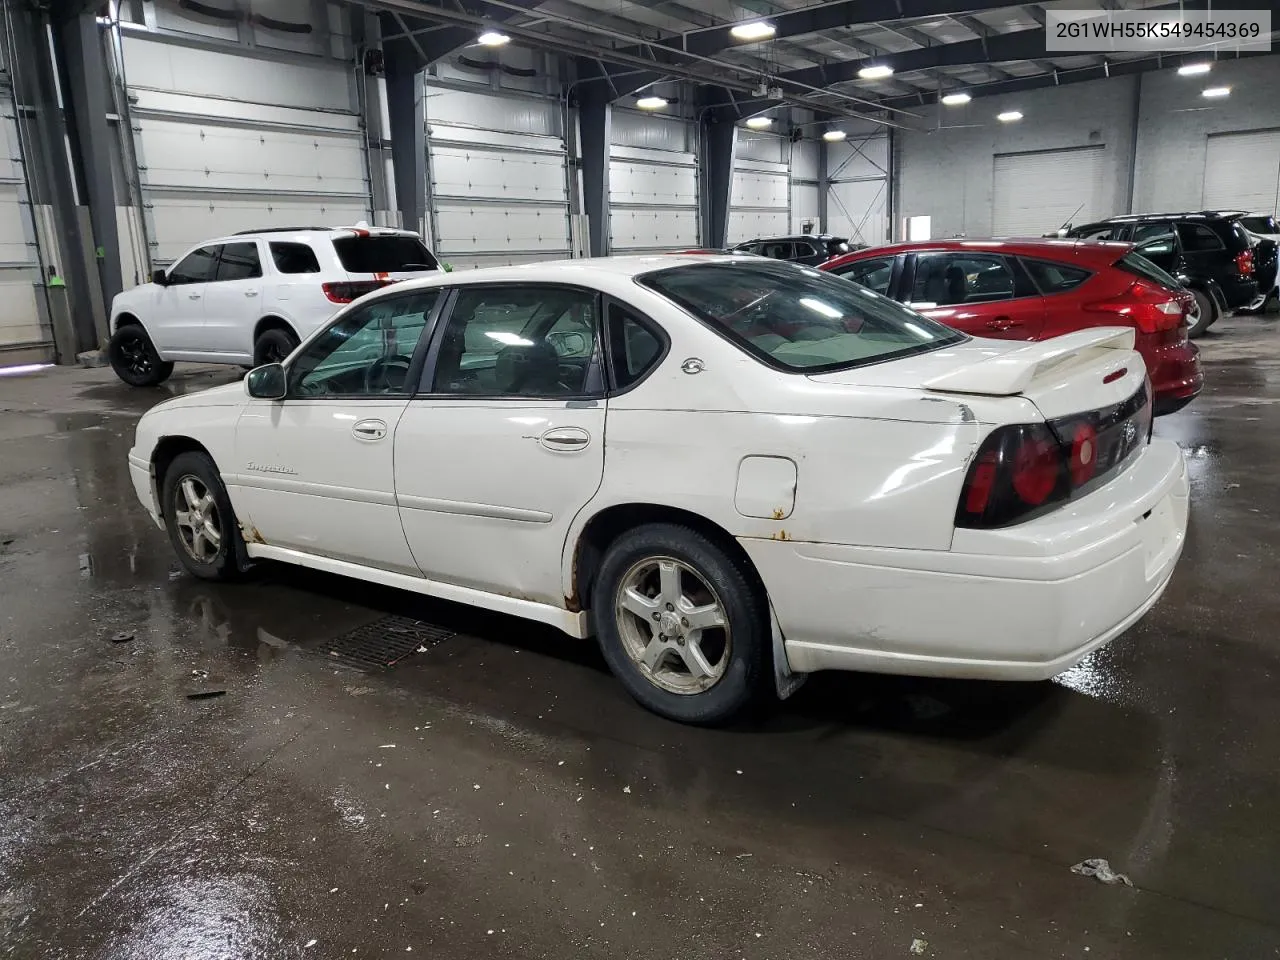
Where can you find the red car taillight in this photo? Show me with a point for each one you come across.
(351, 290)
(1244, 262)
(1149, 308)
(1024, 469)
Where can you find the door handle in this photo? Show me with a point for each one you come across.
(251, 293)
(565, 439)
(1003, 323)
(369, 430)
(193, 296)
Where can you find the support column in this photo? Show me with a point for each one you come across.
(824, 185)
(407, 118)
(718, 135)
(50, 175)
(87, 90)
(594, 118)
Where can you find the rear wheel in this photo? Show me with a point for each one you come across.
(682, 625)
(134, 358)
(273, 345)
(1205, 316)
(199, 519)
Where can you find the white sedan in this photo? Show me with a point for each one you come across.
(731, 472)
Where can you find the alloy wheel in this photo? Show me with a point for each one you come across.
(196, 516)
(674, 626)
(135, 355)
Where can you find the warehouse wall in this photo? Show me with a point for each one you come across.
(1175, 122)
(947, 172)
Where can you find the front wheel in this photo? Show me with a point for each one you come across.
(134, 358)
(1205, 316)
(682, 624)
(199, 519)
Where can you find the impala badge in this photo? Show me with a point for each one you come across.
(265, 468)
(692, 365)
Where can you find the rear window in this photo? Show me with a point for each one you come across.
(1260, 224)
(1197, 238)
(798, 319)
(383, 254)
(1140, 266)
(1055, 277)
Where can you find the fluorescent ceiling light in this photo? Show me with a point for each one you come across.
(834, 135)
(492, 38)
(1194, 69)
(759, 123)
(753, 30)
(1215, 92)
(651, 103)
(955, 99)
(876, 72)
(1009, 116)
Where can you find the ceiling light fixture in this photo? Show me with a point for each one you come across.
(652, 103)
(1194, 69)
(1009, 116)
(834, 136)
(1214, 93)
(876, 71)
(753, 30)
(492, 38)
(759, 123)
(955, 99)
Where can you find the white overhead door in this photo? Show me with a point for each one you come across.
(653, 184)
(760, 198)
(23, 335)
(228, 143)
(1035, 193)
(1242, 171)
(858, 190)
(498, 178)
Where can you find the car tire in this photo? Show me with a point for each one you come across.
(134, 359)
(670, 577)
(273, 345)
(1207, 314)
(204, 532)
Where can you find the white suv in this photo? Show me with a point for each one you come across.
(251, 298)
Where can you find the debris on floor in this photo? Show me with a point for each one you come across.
(123, 637)
(1101, 871)
(918, 947)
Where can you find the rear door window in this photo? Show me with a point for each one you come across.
(294, 258)
(946, 279)
(1055, 277)
(1197, 238)
(239, 261)
(383, 254)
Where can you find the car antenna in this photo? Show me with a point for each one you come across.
(1066, 224)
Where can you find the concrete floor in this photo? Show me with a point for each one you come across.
(500, 796)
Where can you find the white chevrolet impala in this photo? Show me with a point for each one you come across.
(730, 472)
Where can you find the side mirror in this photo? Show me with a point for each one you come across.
(266, 382)
(160, 278)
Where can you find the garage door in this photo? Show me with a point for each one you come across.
(653, 184)
(858, 195)
(228, 143)
(1241, 171)
(1036, 193)
(760, 200)
(498, 178)
(22, 335)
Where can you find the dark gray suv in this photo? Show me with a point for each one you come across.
(808, 249)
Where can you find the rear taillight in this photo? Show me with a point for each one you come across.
(1024, 469)
(1244, 262)
(1148, 307)
(350, 290)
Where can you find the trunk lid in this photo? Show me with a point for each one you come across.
(1078, 372)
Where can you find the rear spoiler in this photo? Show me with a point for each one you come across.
(1012, 373)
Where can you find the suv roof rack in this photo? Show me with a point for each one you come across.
(245, 233)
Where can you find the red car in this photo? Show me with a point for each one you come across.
(1036, 289)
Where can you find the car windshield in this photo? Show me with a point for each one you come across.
(386, 254)
(797, 318)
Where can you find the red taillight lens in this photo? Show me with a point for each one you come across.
(1036, 465)
(982, 479)
(1244, 262)
(1146, 306)
(351, 290)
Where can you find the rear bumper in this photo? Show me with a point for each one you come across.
(1239, 293)
(1021, 603)
(1176, 375)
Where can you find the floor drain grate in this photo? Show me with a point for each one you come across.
(384, 643)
